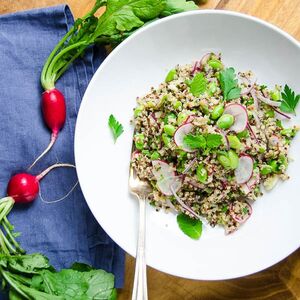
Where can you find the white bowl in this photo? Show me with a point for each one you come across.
(142, 61)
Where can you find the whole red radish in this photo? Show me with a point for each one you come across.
(54, 114)
(24, 187)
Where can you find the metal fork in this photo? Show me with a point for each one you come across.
(141, 190)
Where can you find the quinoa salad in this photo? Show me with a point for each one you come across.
(210, 141)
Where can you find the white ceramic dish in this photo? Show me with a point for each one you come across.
(272, 233)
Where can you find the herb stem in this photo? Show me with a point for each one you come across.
(12, 283)
(52, 54)
(49, 76)
(12, 239)
(8, 245)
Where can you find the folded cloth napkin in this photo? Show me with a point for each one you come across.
(65, 231)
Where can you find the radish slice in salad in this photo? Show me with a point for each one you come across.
(240, 115)
(179, 135)
(168, 184)
(162, 170)
(244, 170)
(240, 217)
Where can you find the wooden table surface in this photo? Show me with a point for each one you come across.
(281, 281)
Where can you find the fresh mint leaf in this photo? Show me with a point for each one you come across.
(190, 227)
(289, 100)
(214, 140)
(194, 141)
(170, 76)
(177, 6)
(115, 126)
(229, 84)
(198, 84)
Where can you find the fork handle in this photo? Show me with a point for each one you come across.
(140, 291)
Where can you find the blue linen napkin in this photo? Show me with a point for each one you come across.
(66, 231)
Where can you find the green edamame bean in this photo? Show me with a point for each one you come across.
(138, 110)
(171, 75)
(169, 129)
(170, 118)
(166, 139)
(201, 173)
(234, 159)
(212, 88)
(266, 169)
(215, 64)
(225, 121)
(243, 134)
(177, 104)
(261, 150)
(155, 155)
(217, 111)
(275, 95)
(139, 141)
(224, 161)
(234, 142)
(181, 118)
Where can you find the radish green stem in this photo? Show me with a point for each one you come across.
(10, 248)
(12, 239)
(49, 79)
(45, 172)
(45, 68)
(12, 283)
(67, 65)
(52, 141)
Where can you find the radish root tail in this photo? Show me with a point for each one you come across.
(45, 172)
(60, 199)
(52, 141)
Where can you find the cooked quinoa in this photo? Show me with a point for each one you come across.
(202, 160)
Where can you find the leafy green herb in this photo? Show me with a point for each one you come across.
(190, 227)
(214, 140)
(115, 126)
(177, 6)
(120, 19)
(32, 277)
(289, 100)
(171, 75)
(198, 84)
(210, 141)
(229, 84)
(195, 141)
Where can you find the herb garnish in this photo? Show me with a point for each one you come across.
(115, 126)
(289, 100)
(190, 227)
(229, 84)
(198, 84)
(210, 141)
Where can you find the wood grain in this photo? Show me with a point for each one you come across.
(281, 281)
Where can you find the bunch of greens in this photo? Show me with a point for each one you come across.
(32, 277)
(120, 20)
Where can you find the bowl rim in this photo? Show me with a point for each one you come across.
(110, 56)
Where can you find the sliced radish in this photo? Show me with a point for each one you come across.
(135, 154)
(162, 170)
(244, 170)
(204, 60)
(255, 178)
(245, 188)
(240, 115)
(179, 135)
(169, 184)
